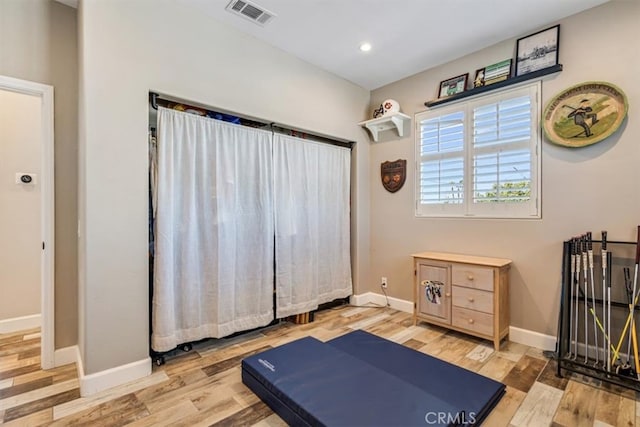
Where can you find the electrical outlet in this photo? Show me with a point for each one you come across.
(383, 282)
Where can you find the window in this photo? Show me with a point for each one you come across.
(480, 158)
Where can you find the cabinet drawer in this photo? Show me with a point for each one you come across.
(473, 299)
(472, 320)
(472, 277)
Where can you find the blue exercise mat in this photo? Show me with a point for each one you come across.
(343, 383)
(476, 394)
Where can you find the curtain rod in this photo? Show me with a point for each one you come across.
(155, 99)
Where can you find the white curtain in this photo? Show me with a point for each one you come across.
(213, 270)
(311, 191)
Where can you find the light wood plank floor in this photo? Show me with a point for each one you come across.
(203, 387)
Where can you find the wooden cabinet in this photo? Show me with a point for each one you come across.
(465, 293)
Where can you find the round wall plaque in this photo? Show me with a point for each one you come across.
(584, 114)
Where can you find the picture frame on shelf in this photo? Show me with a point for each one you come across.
(538, 50)
(453, 85)
(478, 80)
(497, 72)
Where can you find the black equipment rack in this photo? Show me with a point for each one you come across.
(575, 363)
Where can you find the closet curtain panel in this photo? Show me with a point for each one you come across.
(312, 220)
(214, 254)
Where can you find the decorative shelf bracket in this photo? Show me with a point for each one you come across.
(391, 121)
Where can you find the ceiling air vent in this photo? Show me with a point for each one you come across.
(250, 11)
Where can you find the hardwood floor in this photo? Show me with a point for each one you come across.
(203, 387)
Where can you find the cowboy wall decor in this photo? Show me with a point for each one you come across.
(584, 114)
(393, 175)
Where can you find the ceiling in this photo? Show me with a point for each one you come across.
(408, 36)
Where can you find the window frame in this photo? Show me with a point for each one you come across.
(468, 209)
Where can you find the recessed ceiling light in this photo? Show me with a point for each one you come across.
(365, 47)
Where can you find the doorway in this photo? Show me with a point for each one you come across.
(27, 217)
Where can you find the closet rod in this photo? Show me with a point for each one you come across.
(156, 99)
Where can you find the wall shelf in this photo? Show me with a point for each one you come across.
(505, 83)
(391, 121)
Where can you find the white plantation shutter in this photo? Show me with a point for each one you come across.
(480, 157)
(441, 174)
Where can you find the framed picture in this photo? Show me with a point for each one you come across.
(479, 78)
(453, 85)
(497, 72)
(537, 51)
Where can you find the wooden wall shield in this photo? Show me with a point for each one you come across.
(393, 175)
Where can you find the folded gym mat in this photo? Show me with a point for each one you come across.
(308, 382)
(474, 393)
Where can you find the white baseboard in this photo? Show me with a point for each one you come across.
(360, 300)
(379, 299)
(532, 338)
(519, 335)
(96, 382)
(64, 356)
(16, 324)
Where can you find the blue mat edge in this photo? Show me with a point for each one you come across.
(487, 409)
(272, 401)
(292, 417)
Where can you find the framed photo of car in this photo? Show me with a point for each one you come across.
(537, 51)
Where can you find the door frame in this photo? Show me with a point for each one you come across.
(47, 213)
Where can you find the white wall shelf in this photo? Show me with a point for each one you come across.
(391, 121)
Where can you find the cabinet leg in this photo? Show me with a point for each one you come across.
(497, 340)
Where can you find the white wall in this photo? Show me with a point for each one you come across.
(20, 245)
(128, 48)
(38, 43)
(593, 188)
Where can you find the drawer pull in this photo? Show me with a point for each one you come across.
(470, 299)
(470, 277)
(448, 294)
(471, 321)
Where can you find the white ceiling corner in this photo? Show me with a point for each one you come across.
(408, 36)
